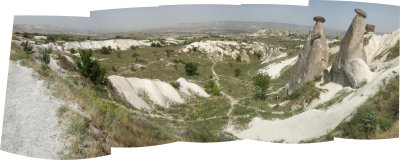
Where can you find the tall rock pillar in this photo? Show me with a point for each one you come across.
(351, 49)
(313, 60)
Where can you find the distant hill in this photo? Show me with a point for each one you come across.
(221, 27)
(236, 27)
(47, 29)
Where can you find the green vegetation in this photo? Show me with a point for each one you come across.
(376, 115)
(175, 84)
(191, 69)
(212, 88)
(17, 53)
(261, 83)
(91, 69)
(28, 49)
(135, 55)
(106, 50)
(45, 55)
(305, 94)
(237, 72)
(72, 50)
(335, 100)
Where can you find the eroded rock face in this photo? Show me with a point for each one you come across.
(244, 58)
(370, 28)
(351, 48)
(313, 60)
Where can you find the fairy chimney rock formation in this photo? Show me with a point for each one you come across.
(313, 60)
(370, 28)
(351, 49)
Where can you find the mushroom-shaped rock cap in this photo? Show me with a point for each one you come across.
(361, 12)
(319, 19)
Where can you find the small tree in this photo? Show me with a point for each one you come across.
(28, 49)
(105, 50)
(191, 69)
(237, 72)
(91, 69)
(135, 55)
(133, 47)
(72, 50)
(46, 55)
(212, 88)
(261, 84)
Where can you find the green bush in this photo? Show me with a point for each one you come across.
(317, 78)
(175, 84)
(45, 55)
(376, 114)
(305, 94)
(212, 88)
(261, 83)
(191, 68)
(135, 55)
(237, 72)
(105, 50)
(28, 49)
(72, 50)
(91, 69)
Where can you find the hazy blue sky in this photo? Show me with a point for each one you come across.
(338, 15)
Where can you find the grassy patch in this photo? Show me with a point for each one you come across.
(377, 114)
(200, 108)
(334, 100)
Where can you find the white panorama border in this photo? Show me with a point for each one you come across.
(243, 149)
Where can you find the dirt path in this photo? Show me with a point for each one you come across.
(30, 125)
(232, 100)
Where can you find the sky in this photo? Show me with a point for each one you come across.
(338, 16)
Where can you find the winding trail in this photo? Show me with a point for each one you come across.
(232, 100)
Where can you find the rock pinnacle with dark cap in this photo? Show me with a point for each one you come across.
(313, 60)
(351, 48)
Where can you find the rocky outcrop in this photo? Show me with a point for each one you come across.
(351, 48)
(313, 60)
(370, 28)
(145, 93)
(244, 57)
(231, 49)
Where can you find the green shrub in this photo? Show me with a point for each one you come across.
(105, 50)
(91, 69)
(72, 50)
(212, 88)
(28, 49)
(45, 55)
(44, 70)
(376, 114)
(305, 94)
(237, 72)
(317, 78)
(261, 83)
(135, 55)
(191, 69)
(175, 84)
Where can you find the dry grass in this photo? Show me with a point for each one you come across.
(392, 132)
